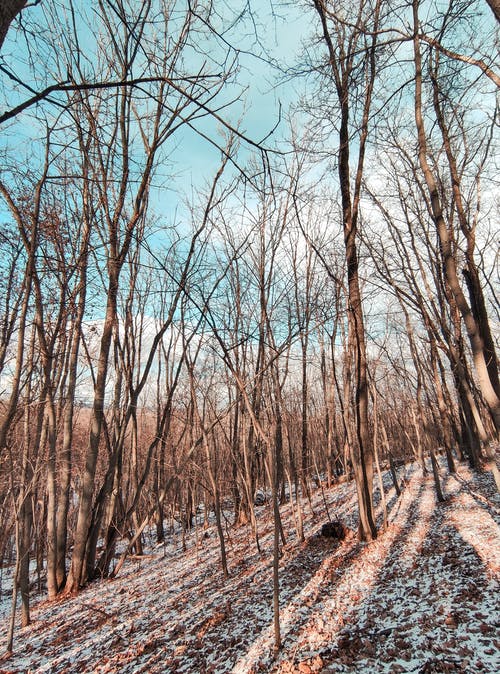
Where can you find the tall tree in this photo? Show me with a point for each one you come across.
(127, 132)
(445, 233)
(352, 66)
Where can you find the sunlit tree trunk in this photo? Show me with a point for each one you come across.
(445, 238)
(468, 224)
(342, 55)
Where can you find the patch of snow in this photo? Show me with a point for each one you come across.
(423, 597)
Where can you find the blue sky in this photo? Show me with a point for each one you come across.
(192, 161)
(258, 111)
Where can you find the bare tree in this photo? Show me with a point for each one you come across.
(479, 350)
(351, 66)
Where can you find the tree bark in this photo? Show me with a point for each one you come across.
(495, 8)
(9, 9)
(445, 240)
(77, 574)
(342, 74)
(468, 227)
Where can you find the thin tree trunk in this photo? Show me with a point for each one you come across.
(66, 450)
(277, 530)
(52, 585)
(443, 412)
(394, 476)
(445, 240)
(377, 463)
(437, 480)
(217, 508)
(342, 72)
(12, 618)
(78, 571)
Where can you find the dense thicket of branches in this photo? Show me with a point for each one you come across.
(311, 313)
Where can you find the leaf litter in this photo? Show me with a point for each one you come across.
(422, 598)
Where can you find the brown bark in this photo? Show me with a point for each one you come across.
(468, 228)
(65, 457)
(394, 475)
(495, 8)
(361, 448)
(478, 308)
(445, 240)
(383, 499)
(277, 529)
(78, 573)
(437, 479)
(30, 241)
(9, 9)
(443, 411)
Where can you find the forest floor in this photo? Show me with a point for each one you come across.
(423, 597)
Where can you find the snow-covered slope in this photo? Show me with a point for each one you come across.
(423, 597)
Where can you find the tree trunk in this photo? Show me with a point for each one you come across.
(495, 8)
(443, 411)
(468, 227)
(445, 241)
(78, 571)
(437, 480)
(52, 586)
(276, 556)
(361, 450)
(343, 76)
(376, 454)
(217, 506)
(9, 9)
(394, 476)
(65, 454)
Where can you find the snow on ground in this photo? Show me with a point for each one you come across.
(422, 598)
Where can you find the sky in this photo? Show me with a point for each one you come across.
(192, 161)
(267, 95)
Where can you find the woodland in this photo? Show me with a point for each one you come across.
(248, 270)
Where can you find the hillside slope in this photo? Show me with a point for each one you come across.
(421, 598)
